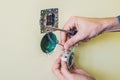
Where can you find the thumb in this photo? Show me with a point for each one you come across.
(65, 70)
(71, 41)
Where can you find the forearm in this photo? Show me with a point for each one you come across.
(111, 24)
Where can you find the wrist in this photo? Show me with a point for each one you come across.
(109, 24)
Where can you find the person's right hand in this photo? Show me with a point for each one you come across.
(87, 28)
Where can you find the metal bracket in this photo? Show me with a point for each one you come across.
(49, 17)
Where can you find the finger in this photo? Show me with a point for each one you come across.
(85, 40)
(57, 63)
(69, 25)
(71, 41)
(77, 44)
(79, 71)
(76, 38)
(56, 68)
(63, 35)
(64, 70)
(75, 67)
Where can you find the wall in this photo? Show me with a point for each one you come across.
(20, 54)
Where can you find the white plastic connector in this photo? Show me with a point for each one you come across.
(65, 56)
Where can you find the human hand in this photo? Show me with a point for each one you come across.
(87, 28)
(61, 71)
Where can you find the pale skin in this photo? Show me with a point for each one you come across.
(61, 71)
(87, 28)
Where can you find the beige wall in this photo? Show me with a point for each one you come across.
(20, 54)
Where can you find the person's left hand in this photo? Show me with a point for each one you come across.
(61, 71)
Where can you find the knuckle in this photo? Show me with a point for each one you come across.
(70, 43)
